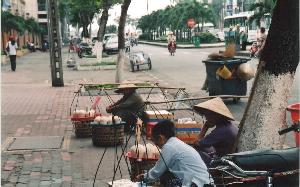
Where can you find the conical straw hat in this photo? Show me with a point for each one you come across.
(124, 86)
(121, 87)
(215, 105)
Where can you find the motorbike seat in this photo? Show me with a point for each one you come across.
(267, 159)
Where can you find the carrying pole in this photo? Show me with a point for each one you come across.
(54, 44)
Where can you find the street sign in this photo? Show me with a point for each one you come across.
(191, 23)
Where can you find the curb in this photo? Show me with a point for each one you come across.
(184, 46)
(95, 68)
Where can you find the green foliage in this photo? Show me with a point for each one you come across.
(207, 37)
(261, 8)
(163, 38)
(175, 17)
(10, 21)
(145, 36)
(111, 29)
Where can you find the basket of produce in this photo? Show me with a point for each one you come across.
(81, 120)
(107, 131)
(142, 158)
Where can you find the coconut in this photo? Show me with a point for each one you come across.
(152, 151)
(138, 151)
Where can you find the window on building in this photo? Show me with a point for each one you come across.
(42, 16)
(42, 5)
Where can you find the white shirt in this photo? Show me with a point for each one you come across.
(183, 161)
(12, 48)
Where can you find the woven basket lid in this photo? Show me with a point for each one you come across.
(215, 105)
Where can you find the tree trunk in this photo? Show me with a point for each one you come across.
(121, 40)
(85, 32)
(103, 22)
(265, 113)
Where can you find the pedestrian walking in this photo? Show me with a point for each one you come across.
(237, 38)
(244, 38)
(11, 49)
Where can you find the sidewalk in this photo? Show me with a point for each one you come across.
(31, 108)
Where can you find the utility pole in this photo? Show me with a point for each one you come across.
(54, 44)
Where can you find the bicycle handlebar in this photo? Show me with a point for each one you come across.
(295, 127)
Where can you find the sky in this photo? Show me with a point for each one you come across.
(137, 9)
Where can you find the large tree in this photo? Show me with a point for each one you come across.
(83, 13)
(105, 5)
(265, 113)
(121, 40)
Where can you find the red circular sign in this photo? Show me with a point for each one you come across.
(191, 23)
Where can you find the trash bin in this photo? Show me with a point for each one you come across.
(220, 86)
(196, 41)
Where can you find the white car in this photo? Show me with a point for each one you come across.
(108, 36)
(111, 46)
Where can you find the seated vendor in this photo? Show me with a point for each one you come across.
(178, 162)
(220, 140)
(129, 107)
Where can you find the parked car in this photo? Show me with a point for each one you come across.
(111, 46)
(108, 36)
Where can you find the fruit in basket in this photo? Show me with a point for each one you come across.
(79, 113)
(83, 113)
(107, 120)
(138, 151)
(152, 151)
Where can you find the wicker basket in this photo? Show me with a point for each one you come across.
(82, 125)
(139, 166)
(107, 135)
(82, 128)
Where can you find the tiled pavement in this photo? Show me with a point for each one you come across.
(31, 107)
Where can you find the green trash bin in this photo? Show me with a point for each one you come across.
(217, 85)
(196, 41)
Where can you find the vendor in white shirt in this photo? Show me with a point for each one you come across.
(178, 160)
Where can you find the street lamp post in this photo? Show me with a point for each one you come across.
(55, 44)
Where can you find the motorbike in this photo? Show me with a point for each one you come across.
(253, 49)
(133, 41)
(84, 49)
(266, 168)
(172, 48)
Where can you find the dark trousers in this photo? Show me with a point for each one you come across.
(244, 44)
(13, 62)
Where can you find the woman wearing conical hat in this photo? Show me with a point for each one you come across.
(221, 139)
(130, 106)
